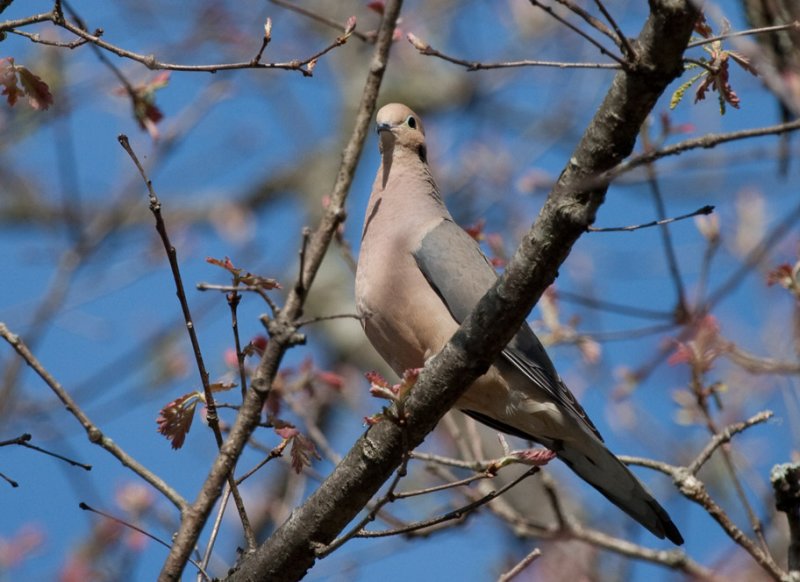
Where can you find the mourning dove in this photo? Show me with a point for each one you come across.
(419, 275)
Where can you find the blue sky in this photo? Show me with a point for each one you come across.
(248, 126)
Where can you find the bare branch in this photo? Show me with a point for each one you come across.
(757, 364)
(706, 141)
(705, 210)
(609, 138)
(724, 436)
(624, 43)
(304, 66)
(520, 566)
(426, 49)
(296, 557)
(456, 514)
(749, 32)
(574, 28)
(89, 508)
(94, 434)
(211, 408)
(321, 19)
(24, 441)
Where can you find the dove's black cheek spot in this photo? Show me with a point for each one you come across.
(422, 151)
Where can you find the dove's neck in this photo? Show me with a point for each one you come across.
(404, 186)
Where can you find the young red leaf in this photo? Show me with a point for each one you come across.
(409, 380)
(285, 430)
(534, 457)
(303, 450)
(374, 419)
(377, 6)
(702, 27)
(374, 378)
(331, 379)
(175, 418)
(349, 26)
(225, 264)
(8, 80)
(475, 230)
(36, 90)
(701, 351)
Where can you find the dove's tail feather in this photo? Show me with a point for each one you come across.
(598, 466)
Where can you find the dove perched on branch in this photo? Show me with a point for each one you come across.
(419, 275)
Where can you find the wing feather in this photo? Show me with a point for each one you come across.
(460, 273)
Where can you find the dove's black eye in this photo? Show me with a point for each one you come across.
(412, 122)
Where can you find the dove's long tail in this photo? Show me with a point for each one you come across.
(598, 466)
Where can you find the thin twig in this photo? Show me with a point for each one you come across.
(694, 489)
(211, 409)
(320, 318)
(233, 302)
(23, 441)
(551, 490)
(37, 38)
(592, 21)
(129, 89)
(759, 365)
(707, 141)
(705, 210)
(9, 25)
(94, 434)
(450, 515)
(304, 66)
(87, 507)
(357, 529)
(249, 288)
(625, 45)
(574, 28)
(8, 480)
(765, 30)
(273, 454)
(681, 308)
(300, 287)
(628, 334)
(264, 41)
(705, 267)
(520, 566)
(702, 395)
(611, 307)
(427, 50)
(653, 464)
(443, 486)
(702, 65)
(319, 18)
(215, 529)
(724, 436)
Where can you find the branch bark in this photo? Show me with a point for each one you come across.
(569, 210)
(283, 329)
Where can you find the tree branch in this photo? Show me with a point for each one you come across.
(283, 331)
(568, 211)
(94, 434)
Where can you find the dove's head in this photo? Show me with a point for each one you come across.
(400, 127)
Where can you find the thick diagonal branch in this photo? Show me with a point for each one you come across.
(568, 212)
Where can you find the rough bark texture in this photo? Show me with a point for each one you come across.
(569, 210)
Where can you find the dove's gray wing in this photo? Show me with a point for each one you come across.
(460, 273)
